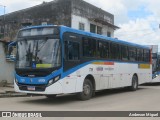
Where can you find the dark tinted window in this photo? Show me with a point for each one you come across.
(146, 55)
(154, 56)
(132, 54)
(92, 28)
(103, 49)
(114, 50)
(89, 47)
(124, 52)
(139, 54)
(99, 30)
(108, 34)
(81, 26)
(72, 50)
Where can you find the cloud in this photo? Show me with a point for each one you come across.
(140, 31)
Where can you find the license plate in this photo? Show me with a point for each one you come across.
(31, 88)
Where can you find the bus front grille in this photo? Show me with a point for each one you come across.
(39, 88)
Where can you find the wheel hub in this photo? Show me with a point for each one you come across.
(86, 89)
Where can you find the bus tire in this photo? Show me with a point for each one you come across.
(87, 92)
(50, 96)
(134, 85)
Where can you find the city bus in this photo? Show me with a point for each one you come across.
(53, 60)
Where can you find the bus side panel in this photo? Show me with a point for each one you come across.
(84, 72)
(69, 83)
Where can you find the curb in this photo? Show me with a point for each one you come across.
(8, 91)
(12, 94)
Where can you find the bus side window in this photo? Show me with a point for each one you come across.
(146, 55)
(72, 50)
(89, 47)
(132, 54)
(139, 55)
(114, 51)
(124, 52)
(103, 49)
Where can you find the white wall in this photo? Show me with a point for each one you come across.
(77, 19)
(6, 68)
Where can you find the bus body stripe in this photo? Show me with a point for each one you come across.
(103, 63)
(144, 66)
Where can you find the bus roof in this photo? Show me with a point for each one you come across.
(68, 29)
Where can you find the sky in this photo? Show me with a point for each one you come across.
(139, 20)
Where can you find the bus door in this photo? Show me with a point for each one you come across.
(71, 60)
(71, 51)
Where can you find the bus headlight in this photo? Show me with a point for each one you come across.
(56, 78)
(50, 82)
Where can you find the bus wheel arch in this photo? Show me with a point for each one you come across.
(135, 83)
(88, 89)
(91, 78)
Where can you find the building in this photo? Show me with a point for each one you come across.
(72, 13)
(6, 67)
(77, 14)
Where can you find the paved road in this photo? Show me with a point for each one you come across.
(146, 98)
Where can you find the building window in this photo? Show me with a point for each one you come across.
(81, 26)
(44, 23)
(92, 28)
(108, 34)
(99, 30)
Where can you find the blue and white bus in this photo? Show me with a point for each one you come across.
(54, 60)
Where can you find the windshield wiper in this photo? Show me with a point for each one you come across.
(37, 59)
(36, 51)
(29, 55)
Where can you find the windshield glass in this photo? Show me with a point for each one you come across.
(38, 53)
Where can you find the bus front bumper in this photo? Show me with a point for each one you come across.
(55, 88)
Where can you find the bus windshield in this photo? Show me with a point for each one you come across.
(38, 53)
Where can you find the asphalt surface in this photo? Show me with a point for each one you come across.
(146, 98)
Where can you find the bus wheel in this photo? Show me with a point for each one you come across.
(87, 92)
(134, 86)
(50, 96)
